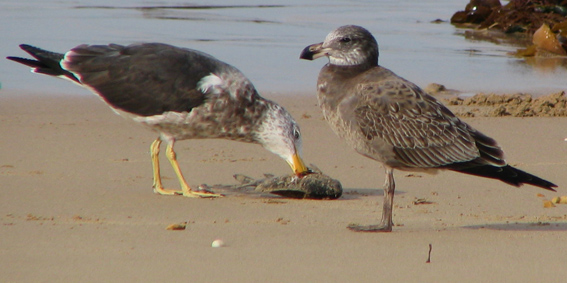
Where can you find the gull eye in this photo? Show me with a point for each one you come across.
(296, 134)
(345, 39)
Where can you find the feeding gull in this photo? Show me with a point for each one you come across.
(393, 121)
(179, 93)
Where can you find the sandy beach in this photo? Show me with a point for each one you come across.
(77, 206)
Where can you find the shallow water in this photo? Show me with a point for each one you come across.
(265, 41)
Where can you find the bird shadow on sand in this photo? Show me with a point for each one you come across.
(524, 226)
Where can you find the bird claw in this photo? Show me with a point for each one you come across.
(205, 191)
(202, 192)
(167, 192)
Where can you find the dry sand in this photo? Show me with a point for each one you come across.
(77, 206)
(515, 105)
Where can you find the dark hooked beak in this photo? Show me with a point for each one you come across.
(313, 52)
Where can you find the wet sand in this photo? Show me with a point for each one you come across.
(77, 206)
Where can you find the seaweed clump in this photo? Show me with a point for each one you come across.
(542, 19)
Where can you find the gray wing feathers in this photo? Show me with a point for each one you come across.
(145, 79)
(422, 132)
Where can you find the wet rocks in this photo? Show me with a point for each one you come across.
(544, 19)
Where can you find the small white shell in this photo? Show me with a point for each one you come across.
(217, 243)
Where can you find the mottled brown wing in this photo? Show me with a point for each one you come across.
(422, 131)
(144, 79)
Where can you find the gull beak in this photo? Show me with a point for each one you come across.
(298, 166)
(313, 52)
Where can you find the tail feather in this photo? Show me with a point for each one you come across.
(47, 62)
(509, 175)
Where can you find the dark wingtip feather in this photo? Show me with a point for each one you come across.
(27, 47)
(508, 175)
(47, 62)
(527, 178)
(40, 54)
(27, 62)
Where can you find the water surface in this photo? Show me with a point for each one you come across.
(264, 41)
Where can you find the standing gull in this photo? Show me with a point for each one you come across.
(393, 121)
(179, 93)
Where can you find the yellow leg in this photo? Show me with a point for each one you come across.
(185, 189)
(158, 187)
